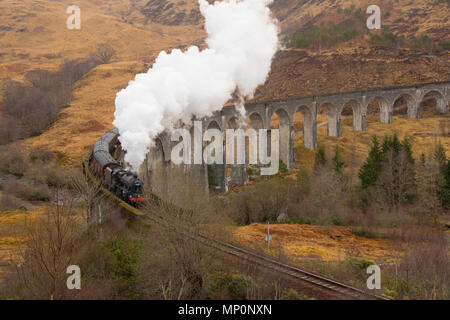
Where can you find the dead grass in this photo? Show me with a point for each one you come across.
(426, 132)
(306, 242)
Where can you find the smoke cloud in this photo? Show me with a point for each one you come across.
(242, 40)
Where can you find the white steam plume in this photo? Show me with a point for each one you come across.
(242, 40)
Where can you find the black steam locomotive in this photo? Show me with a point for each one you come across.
(122, 182)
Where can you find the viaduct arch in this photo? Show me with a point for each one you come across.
(259, 116)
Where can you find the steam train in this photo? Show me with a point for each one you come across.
(120, 181)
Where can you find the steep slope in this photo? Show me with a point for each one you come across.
(33, 34)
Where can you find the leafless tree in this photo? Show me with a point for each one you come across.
(51, 241)
(89, 192)
(104, 53)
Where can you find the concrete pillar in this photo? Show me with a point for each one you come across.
(238, 174)
(386, 112)
(334, 125)
(286, 143)
(310, 133)
(291, 150)
(359, 121)
(413, 109)
(441, 106)
(217, 177)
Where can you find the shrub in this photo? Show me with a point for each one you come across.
(104, 53)
(336, 220)
(444, 45)
(7, 203)
(123, 267)
(291, 294)
(41, 154)
(361, 232)
(302, 220)
(37, 193)
(282, 168)
(322, 36)
(236, 286)
(30, 193)
(320, 159)
(359, 263)
(14, 161)
(30, 107)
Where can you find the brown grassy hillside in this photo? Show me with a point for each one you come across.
(33, 35)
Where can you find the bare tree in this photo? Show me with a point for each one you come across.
(104, 53)
(51, 242)
(89, 192)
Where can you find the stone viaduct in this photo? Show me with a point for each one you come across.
(260, 116)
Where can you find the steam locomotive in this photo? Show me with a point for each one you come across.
(120, 181)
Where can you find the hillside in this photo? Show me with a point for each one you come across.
(33, 35)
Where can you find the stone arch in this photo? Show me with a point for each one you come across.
(212, 123)
(358, 116)
(384, 107)
(333, 119)
(233, 123)
(411, 105)
(438, 97)
(285, 129)
(256, 121)
(216, 173)
(309, 130)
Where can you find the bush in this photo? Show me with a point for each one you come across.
(360, 232)
(302, 220)
(37, 193)
(7, 203)
(235, 286)
(14, 161)
(266, 202)
(29, 108)
(282, 168)
(359, 263)
(29, 193)
(123, 266)
(336, 220)
(322, 36)
(41, 154)
(444, 45)
(291, 294)
(104, 53)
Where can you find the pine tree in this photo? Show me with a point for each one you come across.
(407, 147)
(338, 162)
(440, 157)
(371, 169)
(320, 158)
(397, 179)
(391, 143)
(444, 179)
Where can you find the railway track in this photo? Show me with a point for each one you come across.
(331, 287)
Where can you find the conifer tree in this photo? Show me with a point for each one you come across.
(320, 158)
(439, 156)
(371, 169)
(444, 179)
(338, 162)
